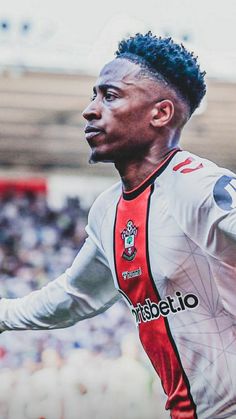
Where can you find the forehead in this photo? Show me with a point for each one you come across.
(119, 72)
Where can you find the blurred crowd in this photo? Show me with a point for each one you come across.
(36, 242)
(94, 369)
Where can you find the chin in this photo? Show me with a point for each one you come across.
(100, 158)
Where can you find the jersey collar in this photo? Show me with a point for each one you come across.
(151, 178)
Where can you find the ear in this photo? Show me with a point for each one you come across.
(162, 113)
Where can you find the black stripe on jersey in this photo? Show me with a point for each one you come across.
(126, 297)
(131, 195)
(114, 256)
(159, 298)
(114, 241)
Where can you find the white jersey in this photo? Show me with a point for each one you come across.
(169, 247)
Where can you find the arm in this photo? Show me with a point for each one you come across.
(84, 290)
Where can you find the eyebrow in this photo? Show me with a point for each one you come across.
(104, 87)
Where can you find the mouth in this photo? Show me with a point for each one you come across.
(91, 132)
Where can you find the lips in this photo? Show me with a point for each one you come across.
(91, 131)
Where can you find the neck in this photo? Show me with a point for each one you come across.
(134, 172)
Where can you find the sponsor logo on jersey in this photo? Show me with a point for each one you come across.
(191, 163)
(128, 236)
(169, 305)
(225, 192)
(132, 274)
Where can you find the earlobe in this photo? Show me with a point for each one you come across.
(162, 113)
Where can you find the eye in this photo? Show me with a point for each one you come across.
(110, 96)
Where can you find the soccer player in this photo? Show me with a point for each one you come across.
(163, 238)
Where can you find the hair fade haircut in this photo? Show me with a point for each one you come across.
(167, 61)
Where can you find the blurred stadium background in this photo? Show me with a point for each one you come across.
(48, 64)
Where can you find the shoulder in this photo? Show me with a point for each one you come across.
(106, 199)
(201, 198)
(102, 204)
(194, 180)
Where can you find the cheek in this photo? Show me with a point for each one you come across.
(138, 116)
(131, 122)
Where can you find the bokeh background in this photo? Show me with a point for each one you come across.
(50, 54)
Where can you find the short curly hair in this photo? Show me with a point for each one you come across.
(167, 61)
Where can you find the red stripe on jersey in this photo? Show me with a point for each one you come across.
(183, 163)
(136, 282)
(189, 160)
(188, 170)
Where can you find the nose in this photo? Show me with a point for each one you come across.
(92, 111)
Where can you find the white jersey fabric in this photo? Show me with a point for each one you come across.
(169, 247)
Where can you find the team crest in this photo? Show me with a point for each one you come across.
(128, 237)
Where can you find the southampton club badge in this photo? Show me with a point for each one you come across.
(128, 237)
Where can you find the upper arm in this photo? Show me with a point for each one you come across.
(89, 279)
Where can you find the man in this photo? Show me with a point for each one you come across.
(164, 237)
